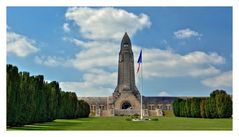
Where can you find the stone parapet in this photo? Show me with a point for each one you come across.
(126, 112)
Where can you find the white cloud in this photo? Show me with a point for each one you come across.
(96, 77)
(52, 61)
(98, 56)
(83, 90)
(48, 81)
(163, 93)
(186, 34)
(20, 45)
(95, 83)
(106, 23)
(219, 81)
(105, 28)
(66, 27)
(76, 42)
(165, 63)
(98, 62)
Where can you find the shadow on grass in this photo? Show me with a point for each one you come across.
(120, 123)
(59, 124)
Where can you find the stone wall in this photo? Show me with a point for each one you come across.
(126, 112)
(106, 113)
(105, 106)
(127, 97)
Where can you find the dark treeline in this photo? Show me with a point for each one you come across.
(218, 105)
(30, 99)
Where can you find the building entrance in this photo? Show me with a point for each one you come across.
(126, 105)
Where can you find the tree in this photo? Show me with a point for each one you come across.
(223, 103)
(182, 108)
(13, 83)
(176, 107)
(67, 105)
(202, 108)
(188, 107)
(30, 99)
(195, 107)
(83, 109)
(218, 105)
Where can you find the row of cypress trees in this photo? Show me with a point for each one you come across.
(30, 99)
(218, 105)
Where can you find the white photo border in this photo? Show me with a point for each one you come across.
(135, 3)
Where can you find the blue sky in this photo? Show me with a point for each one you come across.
(187, 51)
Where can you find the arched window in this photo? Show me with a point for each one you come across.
(126, 105)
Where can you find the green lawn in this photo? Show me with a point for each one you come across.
(119, 123)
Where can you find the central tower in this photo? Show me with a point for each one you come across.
(126, 94)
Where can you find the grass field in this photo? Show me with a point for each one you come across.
(119, 123)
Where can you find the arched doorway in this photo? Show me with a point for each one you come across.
(126, 105)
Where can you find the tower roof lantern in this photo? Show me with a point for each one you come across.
(125, 40)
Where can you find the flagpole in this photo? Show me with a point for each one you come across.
(141, 88)
(140, 62)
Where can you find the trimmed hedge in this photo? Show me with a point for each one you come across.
(218, 105)
(30, 99)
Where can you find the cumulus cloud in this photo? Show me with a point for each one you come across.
(20, 45)
(95, 83)
(165, 63)
(66, 27)
(98, 56)
(106, 23)
(156, 63)
(105, 28)
(84, 90)
(220, 81)
(97, 59)
(163, 93)
(52, 61)
(75, 41)
(186, 34)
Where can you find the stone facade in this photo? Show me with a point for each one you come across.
(126, 94)
(105, 106)
(126, 99)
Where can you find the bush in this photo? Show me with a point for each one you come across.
(128, 119)
(154, 119)
(92, 113)
(135, 116)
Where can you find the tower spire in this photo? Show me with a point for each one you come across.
(126, 94)
(125, 40)
(126, 75)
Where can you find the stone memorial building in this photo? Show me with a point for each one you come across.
(126, 98)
